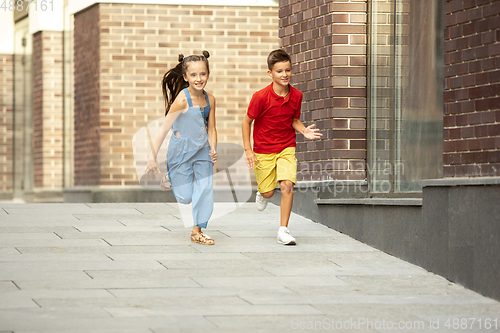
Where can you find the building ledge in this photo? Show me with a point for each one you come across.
(461, 181)
(371, 201)
(326, 183)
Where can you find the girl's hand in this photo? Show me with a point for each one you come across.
(165, 184)
(213, 155)
(152, 169)
(311, 133)
(251, 159)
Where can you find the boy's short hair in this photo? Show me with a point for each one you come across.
(277, 56)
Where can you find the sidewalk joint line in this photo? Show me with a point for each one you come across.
(18, 250)
(139, 211)
(161, 264)
(165, 228)
(195, 281)
(36, 303)
(111, 293)
(121, 223)
(105, 241)
(293, 291)
(88, 275)
(55, 233)
(77, 229)
(265, 270)
(244, 300)
(5, 211)
(15, 285)
(195, 248)
(224, 233)
(333, 262)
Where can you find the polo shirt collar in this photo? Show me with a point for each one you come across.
(276, 96)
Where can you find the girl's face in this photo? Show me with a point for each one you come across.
(196, 75)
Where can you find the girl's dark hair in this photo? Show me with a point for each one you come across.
(173, 80)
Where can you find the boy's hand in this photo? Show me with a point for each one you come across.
(250, 157)
(312, 133)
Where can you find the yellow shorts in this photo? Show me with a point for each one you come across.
(275, 167)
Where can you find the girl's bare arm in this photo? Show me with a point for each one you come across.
(212, 131)
(179, 105)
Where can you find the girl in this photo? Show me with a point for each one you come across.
(190, 112)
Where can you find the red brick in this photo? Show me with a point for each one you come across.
(494, 130)
(449, 121)
(480, 131)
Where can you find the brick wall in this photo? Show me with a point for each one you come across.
(47, 109)
(87, 94)
(6, 123)
(327, 41)
(38, 109)
(138, 43)
(472, 88)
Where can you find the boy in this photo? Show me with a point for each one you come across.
(276, 112)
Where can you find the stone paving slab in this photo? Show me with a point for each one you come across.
(109, 250)
(104, 268)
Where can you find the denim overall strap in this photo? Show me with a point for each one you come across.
(190, 102)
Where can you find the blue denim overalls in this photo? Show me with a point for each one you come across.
(189, 167)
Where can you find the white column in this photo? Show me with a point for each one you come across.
(46, 15)
(6, 32)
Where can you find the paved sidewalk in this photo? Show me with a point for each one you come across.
(95, 268)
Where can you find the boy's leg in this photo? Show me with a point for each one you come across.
(265, 173)
(286, 187)
(287, 177)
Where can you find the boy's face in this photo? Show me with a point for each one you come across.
(281, 73)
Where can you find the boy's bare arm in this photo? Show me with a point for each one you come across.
(308, 132)
(245, 131)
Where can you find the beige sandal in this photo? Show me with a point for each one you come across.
(202, 239)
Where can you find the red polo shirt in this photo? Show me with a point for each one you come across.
(273, 115)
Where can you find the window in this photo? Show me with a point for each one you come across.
(405, 94)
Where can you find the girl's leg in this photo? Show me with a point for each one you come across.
(203, 193)
(181, 178)
(203, 200)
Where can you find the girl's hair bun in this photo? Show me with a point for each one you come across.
(181, 57)
(206, 54)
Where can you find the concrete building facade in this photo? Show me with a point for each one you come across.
(407, 96)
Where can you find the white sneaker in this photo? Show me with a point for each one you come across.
(284, 237)
(261, 201)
